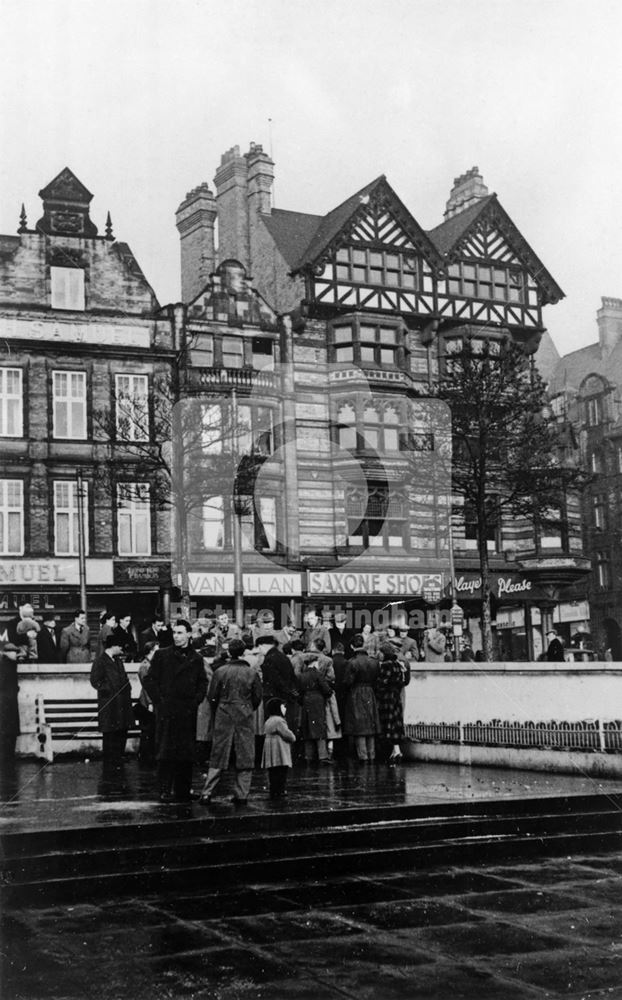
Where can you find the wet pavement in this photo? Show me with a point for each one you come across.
(71, 793)
(470, 933)
(498, 931)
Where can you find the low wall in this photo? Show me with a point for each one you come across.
(563, 717)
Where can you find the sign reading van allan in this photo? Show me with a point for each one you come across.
(376, 584)
(253, 584)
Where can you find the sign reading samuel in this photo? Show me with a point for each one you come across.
(55, 572)
(382, 584)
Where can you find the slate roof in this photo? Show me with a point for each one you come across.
(292, 232)
(331, 224)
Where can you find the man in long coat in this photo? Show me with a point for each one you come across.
(75, 639)
(9, 708)
(176, 685)
(114, 701)
(235, 692)
(361, 721)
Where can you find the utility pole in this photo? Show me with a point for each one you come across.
(236, 528)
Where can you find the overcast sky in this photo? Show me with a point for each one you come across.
(141, 97)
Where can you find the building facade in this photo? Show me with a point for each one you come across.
(83, 341)
(585, 386)
(366, 308)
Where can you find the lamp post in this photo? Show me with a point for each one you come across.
(236, 529)
(81, 544)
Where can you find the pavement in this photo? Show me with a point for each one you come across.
(498, 931)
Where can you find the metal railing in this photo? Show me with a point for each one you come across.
(588, 735)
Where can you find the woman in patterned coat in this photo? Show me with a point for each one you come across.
(392, 678)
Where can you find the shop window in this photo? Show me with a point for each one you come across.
(134, 519)
(258, 523)
(69, 405)
(66, 518)
(67, 288)
(132, 407)
(213, 523)
(376, 518)
(11, 402)
(11, 517)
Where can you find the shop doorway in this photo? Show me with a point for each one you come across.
(613, 640)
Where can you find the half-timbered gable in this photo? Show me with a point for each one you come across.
(492, 275)
(371, 254)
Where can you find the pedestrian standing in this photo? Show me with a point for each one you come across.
(389, 686)
(315, 691)
(235, 692)
(143, 709)
(27, 635)
(555, 649)
(114, 702)
(48, 640)
(75, 640)
(176, 685)
(361, 721)
(9, 708)
(107, 625)
(277, 754)
(124, 634)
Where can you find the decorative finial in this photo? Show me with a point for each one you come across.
(23, 222)
(109, 235)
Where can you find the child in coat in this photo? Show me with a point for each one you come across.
(277, 755)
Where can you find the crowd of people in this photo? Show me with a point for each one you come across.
(215, 695)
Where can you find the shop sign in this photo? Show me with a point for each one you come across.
(112, 334)
(136, 574)
(54, 572)
(374, 584)
(500, 586)
(253, 584)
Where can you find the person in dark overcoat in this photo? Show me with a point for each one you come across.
(48, 640)
(361, 721)
(158, 632)
(176, 685)
(279, 680)
(124, 634)
(235, 692)
(114, 701)
(75, 640)
(315, 691)
(555, 648)
(9, 708)
(389, 685)
(339, 633)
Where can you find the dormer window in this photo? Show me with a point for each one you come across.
(67, 288)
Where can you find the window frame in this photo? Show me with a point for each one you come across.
(71, 511)
(350, 338)
(58, 400)
(6, 398)
(381, 537)
(377, 266)
(137, 509)
(485, 277)
(133, 424)
(7, 510)
(64, 297)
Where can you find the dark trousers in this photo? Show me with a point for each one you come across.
(277, 778)
(113, 745)
(175, 778)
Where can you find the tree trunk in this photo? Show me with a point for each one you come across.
(486, 616)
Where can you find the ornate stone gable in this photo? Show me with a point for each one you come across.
(66, 207)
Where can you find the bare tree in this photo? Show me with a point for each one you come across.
(509, 456)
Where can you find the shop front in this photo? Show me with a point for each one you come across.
(376, 598)
(277, 592)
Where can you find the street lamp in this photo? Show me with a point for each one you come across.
(81, 541)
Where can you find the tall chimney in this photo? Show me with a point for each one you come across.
(195, 220)
(260, 179)
(468, 189)
(609, 319)
(231, 197)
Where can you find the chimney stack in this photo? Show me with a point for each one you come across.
(231, 182)
(195, 220)
(609, 319)
(260, 179)
(468, 189)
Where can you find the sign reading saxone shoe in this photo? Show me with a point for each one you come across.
(382, 584)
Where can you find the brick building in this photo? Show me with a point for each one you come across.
(82, 341)
(361, 307)
(585, 386)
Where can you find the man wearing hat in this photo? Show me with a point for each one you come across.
(9, 709)
(555, 649)
(48, 640)
(339, 633)
(114, 700)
